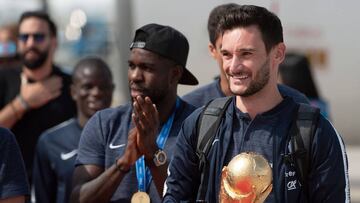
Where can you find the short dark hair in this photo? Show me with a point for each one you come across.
(214, 17)
(43, 16)
(91, 62)
(247, 15)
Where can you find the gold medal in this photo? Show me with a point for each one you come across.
(140, 197)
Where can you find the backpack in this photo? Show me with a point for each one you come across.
(302, 131)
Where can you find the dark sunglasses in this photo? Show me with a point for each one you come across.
(38, 37)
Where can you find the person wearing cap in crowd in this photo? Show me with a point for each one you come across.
(36, 95)
(220, 86)
(14, 186)
(56, 149)
(124, 152)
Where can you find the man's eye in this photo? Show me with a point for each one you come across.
(247, 53)
(225, 54)
(131, 65)
(146, 68)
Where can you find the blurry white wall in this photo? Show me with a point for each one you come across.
(10, 10)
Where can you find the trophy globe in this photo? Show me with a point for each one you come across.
(246, 179)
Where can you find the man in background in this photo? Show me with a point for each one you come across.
(35, 96)
(56, 150)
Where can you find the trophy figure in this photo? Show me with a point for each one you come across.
(246, 179)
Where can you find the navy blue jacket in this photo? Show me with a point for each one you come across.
(327, 181)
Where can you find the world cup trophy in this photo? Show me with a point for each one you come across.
(246, 179)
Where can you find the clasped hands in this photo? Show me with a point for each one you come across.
(142, 138)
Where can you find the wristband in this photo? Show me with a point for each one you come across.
(23, 103)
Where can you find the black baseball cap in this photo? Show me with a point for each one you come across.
(168, 43)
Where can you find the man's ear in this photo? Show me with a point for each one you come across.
(176, 73)
(54, 42)
(54, 45)
(279, 53)
(212, 50)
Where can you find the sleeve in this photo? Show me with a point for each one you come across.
(91, 145)
(13, 179)
(44, 177)
(184, 177)
(329, 179)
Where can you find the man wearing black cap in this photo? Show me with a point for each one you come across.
(124, 152)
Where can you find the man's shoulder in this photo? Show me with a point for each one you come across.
(6, 136)
(187, 106)
(61, 72)
(203, 88)
(115, 112)
(60, 131)
(10, 73)
(293, 93)
(111, 118)
(203, 94)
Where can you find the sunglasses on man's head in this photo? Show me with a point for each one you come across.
(38, 37)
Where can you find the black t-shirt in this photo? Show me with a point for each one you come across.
(35, 121)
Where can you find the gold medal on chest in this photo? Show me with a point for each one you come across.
(140, 197)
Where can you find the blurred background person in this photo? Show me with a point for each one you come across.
(36, 95)
(295, 71)
(14, 187)
(56, 150)
(8, 49)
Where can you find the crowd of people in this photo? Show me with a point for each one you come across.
(60, 138)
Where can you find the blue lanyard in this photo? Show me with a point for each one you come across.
(143, 173)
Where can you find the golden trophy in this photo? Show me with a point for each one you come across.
(246, 179)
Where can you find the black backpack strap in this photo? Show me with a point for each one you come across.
(302, 133)
(207, 126)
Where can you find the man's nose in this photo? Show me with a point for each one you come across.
(30, 41)
(235, 64)
(96, 91)
(135, 74)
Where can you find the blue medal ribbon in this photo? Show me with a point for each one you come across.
(143, 173)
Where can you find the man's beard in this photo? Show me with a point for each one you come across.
(34, 63)
(262, 78)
